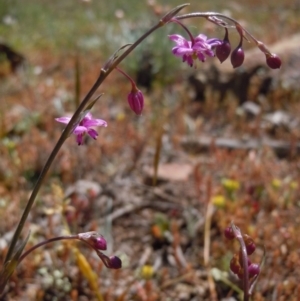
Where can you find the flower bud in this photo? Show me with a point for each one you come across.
(95, 240)
(229, 234)
(253, 270)
(115, 262)
(112, 262)
(100, 243)
(237, 57)
(136, 101)
(273, 61)
(223, 50)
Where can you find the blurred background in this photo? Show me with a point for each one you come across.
(213, 145)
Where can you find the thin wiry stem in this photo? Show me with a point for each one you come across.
(64, 237)
(214, 18)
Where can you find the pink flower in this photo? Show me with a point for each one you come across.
(85, 126)
(199, 48)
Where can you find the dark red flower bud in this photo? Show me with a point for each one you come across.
(112, 262)
(95, 240)
(223, 50)
(136, 101)
(253, 269)
(229, 234)
(237, 57)
(100, 243)
(115, 262)
(273, 61)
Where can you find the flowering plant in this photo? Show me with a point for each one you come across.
(240, 263)
(85, 125)
(191, 50)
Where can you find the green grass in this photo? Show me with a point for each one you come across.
(65, 26)
(67, 23)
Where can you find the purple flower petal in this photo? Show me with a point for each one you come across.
(179, 51)
(84, 126)
(201, 37)
(180, 40)
(200, 48)
(79, 130)
(79, 139)
(65, 120)
(93, 133)
(201, 57)
(94, 122)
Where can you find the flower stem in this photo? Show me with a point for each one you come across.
(64, 237)
(127, 76)
(212, 17)
(175, 20)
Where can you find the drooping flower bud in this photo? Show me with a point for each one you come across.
(273, 61)
(229, 234)
(94, 239)
(112, 262)
(136, 100)
(100, 243)
(237, 57)
(115, 262)
(223, 50)
(253, 269)
(135, 97)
